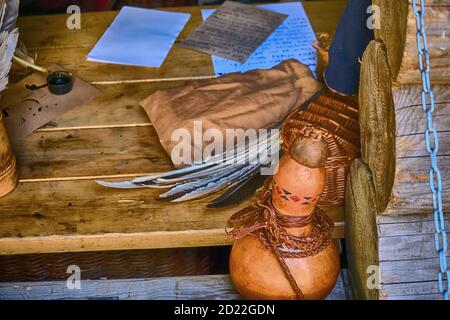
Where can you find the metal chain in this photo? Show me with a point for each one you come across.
(432, 144)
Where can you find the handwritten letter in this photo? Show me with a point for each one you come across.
(234, 31)
(292, 39)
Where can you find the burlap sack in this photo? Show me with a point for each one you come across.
(255, 99)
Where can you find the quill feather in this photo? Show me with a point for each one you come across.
(240, 191)
(189, 187)
(212, 187)
(7, 47)
(208, 167)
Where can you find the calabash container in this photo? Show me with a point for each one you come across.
(255, 269)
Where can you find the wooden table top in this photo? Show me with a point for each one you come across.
(57, 206)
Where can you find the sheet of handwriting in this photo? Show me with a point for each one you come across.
(234, 31)
(292, 39)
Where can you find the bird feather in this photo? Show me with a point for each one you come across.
(239, 191)
(210, 166)
(214, 186)
(7, 47)
(185, 188)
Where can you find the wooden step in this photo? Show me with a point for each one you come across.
(210, 287)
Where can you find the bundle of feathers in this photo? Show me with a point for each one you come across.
(217, 174)
(9, 34)
(239, 173)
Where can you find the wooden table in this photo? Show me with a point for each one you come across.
(57, 206)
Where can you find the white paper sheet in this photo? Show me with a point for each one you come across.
(292, 39)
(139, 37)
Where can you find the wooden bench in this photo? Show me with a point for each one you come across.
(57, 206)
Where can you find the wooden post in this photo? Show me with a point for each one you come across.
(389, 209)
(8, 172)
(398, 32)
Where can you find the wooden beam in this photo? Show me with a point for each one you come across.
(360, 229)
(80, 215)
(392, 124)
(212, 287)
(90, 153)
(398, 31)
(377, 121)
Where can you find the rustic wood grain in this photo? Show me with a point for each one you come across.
(410, 291)
(398, 32)
(79, 215)
(393, 146)
(415, 270)
(411, 190)
(410, 116)
(410, 218)
(377, 121)
(432, 296)
(74, 45)
(35, 32)
(402, 246)
(405, 228)
(392, 124)
(360, 228)
(74, 59)
(211, 287)
(419, 246)
(91, 153)
(58, 207)
(117, 106)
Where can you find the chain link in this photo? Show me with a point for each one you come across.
(432, 144)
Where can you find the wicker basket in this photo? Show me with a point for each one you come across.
(336, 117)
(108, 264)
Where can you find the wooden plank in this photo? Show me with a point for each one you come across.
(167, 288)
(37, 34)
(411, 121)
(438, 34)
(90, 153)
(415, 297)
(411, 191)
(384, 219)
(117, 106)
(65, 216)
(324, 16)
(74, 59)
(405, 271)
(123, 241)
(360, 228)
(411, 146)
(211, 287)
(409, 228)
(398, 31)
(419, 246)
(35, 31)
(410, 289)
(409, 96)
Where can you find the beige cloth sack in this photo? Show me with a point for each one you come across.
(255, 99)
